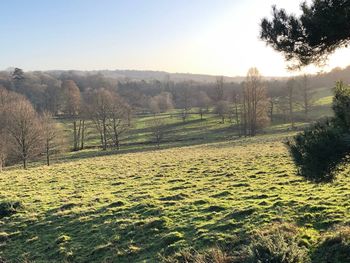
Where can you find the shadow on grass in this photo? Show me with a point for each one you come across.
(112, 233)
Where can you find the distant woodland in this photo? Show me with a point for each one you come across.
(32, 103)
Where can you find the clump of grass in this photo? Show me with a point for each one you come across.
(3, 237)
(171, 238)
(8, 208)
(280, 243)
(117, 204)
(214, 255)
(334, 246)
(63, 239)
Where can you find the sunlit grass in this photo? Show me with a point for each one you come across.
(130, 207)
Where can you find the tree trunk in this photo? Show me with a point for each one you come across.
(101, 138)
(116, 137)
(47, 152)
(24, 162)
(47, 157)
(104, 135)
(75, 147)
(78, 135)
(82, 135)
(291, 117)
(271, 112)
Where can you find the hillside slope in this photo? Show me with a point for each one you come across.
(131, 207)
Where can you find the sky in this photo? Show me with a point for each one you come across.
(217, 37)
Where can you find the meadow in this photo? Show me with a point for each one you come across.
(136, 206)
(205, 187)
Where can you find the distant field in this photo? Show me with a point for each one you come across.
(133, 207)
(175, 132)
(196, 130)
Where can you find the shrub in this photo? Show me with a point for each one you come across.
(341, 105)
(334, 246)
(281, 243)
(318, 150)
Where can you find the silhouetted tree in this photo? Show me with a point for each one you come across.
(323, 27)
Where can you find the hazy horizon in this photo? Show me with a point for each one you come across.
(196, 37)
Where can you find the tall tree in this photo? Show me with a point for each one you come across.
(323, 27)
(219, 89)
(236, 104)
(186, 100)
(7, 99)
(52, 136)
(307, 95)
(222, 109)
(203, 103)
(290, 97)
(158, 129)
(24, 130)
(17, 79)
(72, 108)
(100, 104)
(254, 103)
(119, 118)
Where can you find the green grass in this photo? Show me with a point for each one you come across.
(134, 206)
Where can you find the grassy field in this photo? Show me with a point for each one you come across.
(133, 207)
(203, 188)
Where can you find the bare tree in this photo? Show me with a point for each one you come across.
(222, 109)
(236, 101)
(254, 103)
(52, 136)
(100, 104)
(119, 119)
(157, 126)
(307, 95)
(186, 100)
(153, 106)
(219, 89)
(165, 101)
(290, 96)
(272, 107)
(7, 98)
(203, 103)
(24, 130)
(3, 134)
(161, 103)
(72, 108)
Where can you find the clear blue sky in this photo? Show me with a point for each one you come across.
(198, 36)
